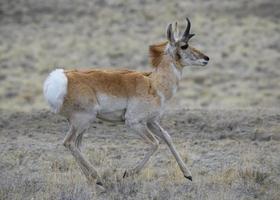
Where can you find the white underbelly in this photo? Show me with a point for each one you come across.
(111, 108)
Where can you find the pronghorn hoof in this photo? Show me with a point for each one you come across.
(188, 177)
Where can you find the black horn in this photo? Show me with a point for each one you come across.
(186, 36)
(187, 31)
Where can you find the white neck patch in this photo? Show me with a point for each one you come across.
(161, 96)
(176, 71)
(169, 49)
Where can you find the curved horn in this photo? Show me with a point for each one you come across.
(187, 35)
(187, 31)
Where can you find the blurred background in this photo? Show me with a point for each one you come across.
(242, 39)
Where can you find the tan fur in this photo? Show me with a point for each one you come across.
(156, 52)
(114, 82)
(83, 86)
(164, 80)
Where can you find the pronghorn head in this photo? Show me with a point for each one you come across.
(180, 50)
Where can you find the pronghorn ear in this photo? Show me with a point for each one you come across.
(176, 31)
(170, 34)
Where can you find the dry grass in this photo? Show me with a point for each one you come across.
(36, 166)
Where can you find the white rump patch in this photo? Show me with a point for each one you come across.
(55, 89)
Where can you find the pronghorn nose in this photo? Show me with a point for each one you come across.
(206, 58)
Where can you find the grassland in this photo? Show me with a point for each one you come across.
(232, 155)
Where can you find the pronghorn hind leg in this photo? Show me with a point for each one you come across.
(73, 139)
(142, 130)
(68, 138)
(163, 134)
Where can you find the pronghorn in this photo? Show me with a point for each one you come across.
(135, 98)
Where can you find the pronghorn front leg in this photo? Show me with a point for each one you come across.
(163, 134)
(143, 131)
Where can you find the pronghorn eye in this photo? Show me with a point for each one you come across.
(185, 46)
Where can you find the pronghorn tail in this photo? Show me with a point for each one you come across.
(55, 89)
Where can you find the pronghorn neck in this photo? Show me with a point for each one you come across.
(166, 77)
